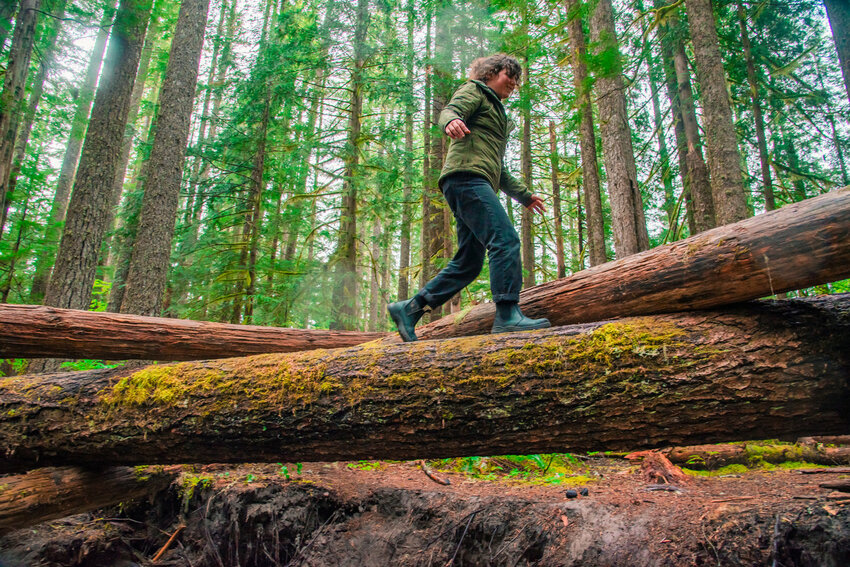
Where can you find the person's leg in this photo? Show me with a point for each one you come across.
(487, 219)
(480, 210)
(460, 272)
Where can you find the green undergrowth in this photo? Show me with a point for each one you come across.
(547, 469)
(737, 469)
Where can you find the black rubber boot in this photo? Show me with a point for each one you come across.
(405, 315)
(509, 319)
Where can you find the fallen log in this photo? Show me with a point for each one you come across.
(761, 370)
(753, 454)
(825, 440)
(800, 245)
(50, 493)
(35, 331)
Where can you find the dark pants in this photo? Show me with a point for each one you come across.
(482, 225)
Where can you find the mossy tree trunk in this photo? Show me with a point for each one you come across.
(800, 245)
(763, 370)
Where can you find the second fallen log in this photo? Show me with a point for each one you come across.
(33, 331)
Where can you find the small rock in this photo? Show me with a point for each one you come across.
(584, 491)
(572, 494)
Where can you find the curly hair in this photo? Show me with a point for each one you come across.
(485, 68)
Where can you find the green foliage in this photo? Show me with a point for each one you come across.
(554, 469)
(77, 365)
(366, 465)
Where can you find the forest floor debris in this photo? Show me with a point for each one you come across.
(492, 513)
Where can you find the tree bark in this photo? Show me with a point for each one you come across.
(113, 251)
(50, 493)
(442, 82)
(667, 39)
(37, 89)
(33, 331)
(699, 183)
(71, 157)
(407, 191)
(838, 12)
(88, 214)
(7, 9)
(556, 203)
(627, 216)
(527, 233)
(665, 171)
(149, 262)
(11, 99)
(799, 245)
(761, 140)
(587, 138)
(428, 177)
(344, 300)
(724, 159)
(762, 370)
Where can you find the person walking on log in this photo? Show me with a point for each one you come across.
(473, 173)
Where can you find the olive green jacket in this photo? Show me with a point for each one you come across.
(482, 151)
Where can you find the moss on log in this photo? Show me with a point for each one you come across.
(763, 370)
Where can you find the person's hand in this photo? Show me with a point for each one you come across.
(536, 205)
(456, 129)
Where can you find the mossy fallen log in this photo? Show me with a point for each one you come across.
(762, 370)
(56, 492)
(754, 454)
(800, 245)
(36, 331)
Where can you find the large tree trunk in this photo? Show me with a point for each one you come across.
(724, 159)
(665, 171)
(627, 216)
(50, 493)
(11, 99)
(838, 12)
(407, 191)
(527, 233)
(556, 204)
(112, 250)
(428, 174)
(149, 262)
(758, 118)
(32, 331)
(88, 212)
(344, 300)
(587, 137)
(69, 162)
(49, 42)
(699, 183)
(799, 245)
(761, 370)
(7, 9)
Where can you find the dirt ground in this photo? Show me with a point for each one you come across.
(387, 514)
